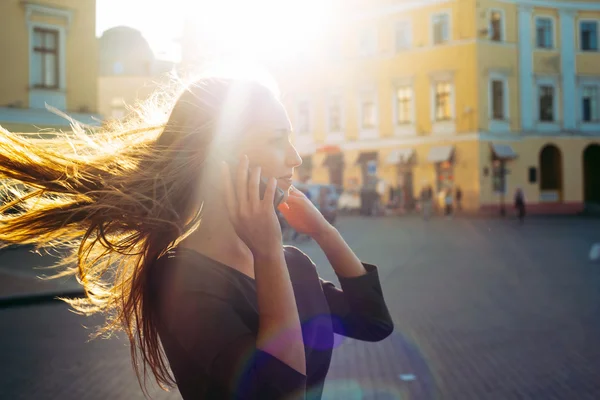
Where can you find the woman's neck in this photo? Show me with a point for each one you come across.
(216, 238)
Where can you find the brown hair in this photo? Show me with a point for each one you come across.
(118, 197)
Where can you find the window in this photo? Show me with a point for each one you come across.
(369, 114)
(303, 117)
(441, 28)
(590, 103)
(544, 33)
(335, 115)
(589, 35)
(368, 41)
(498, 111)
(402, 35)
(546, 103)
(532, 176)
(118, 68)
(496, 26)
(45, 58)
(443, 98)
(404, 105)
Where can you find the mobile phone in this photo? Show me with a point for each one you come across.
(262, 187)
(279, 194)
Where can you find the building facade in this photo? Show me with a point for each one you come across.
(129, 72)
(52, 58)
(482, 95)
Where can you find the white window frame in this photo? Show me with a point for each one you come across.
(580, 43)
(373, 42)
(38, 97)
(364, 95)
(444, 127)
(335, 136)
(432, 27)
(535, 37)
(592, 126)
(502, 24)
(408, 32)
(410, 127)
(545, 126)
(498, 125)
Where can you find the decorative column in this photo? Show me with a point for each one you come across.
(568, 70)
(526, 93)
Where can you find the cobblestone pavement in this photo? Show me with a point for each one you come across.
(21, 270)
(484, 309)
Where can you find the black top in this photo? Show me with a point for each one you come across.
(208, 323)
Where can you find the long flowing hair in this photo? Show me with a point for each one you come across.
(114, 199)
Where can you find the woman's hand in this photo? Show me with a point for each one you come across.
(253, 219)
(302, 215)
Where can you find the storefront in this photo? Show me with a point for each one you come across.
(334, 162)
(402, 191)
(367, 161)
(443, 159)
(501, 154)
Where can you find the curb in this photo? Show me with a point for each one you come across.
(38, 299)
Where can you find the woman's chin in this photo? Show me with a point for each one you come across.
(286, 194)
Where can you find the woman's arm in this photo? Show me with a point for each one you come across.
(256, 224)
(279, 331)
(358, 309)
(343, 260)
(360, 306)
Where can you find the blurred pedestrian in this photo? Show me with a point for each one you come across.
(325, 204)
(380, 189)
(458, 195)
(426, 201)
(520, 204)
(448, 203)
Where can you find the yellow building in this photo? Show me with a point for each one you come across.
(49, 57)
(482, 95)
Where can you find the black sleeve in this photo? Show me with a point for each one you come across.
(222, 348)
(359, 310)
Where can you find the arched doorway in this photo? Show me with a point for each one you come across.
(551, 174)
(591, 174)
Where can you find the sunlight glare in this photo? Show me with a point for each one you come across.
(261, 28)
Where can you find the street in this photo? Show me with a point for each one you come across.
(484, 309)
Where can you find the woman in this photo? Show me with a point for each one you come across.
(171, 239)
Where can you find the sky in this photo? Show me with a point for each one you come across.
(141, 14)
(262, 27)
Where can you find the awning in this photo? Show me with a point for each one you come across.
(333, 160)
(400, 156)
(367, 156)
(440, 154)
(503, 151)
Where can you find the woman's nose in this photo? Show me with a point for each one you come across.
(293, 158)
